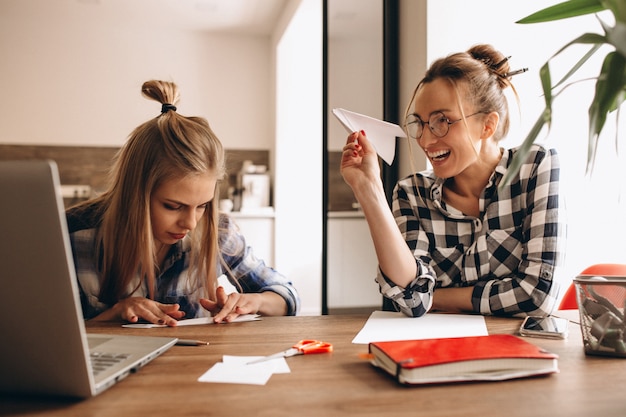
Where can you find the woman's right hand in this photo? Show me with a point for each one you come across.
(132, 309)
(359, 161)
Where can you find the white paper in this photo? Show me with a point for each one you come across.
(384, 326)
(235, 370)
(193, 322)
(229, 288)
(279, 365)
(223, 282)
(382, 134)
(238, 374)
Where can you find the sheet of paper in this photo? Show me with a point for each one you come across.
(279, 365)
(257, 374)
(382, 134)
(384, 326)
(223, 282)
(229, 288)
(235, 370)
(192, 322)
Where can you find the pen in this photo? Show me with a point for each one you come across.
(188, 342)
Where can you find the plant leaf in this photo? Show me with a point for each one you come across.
(616, 36)
(618, 7)
(579, 64)
(544, 72)
(544, 118)
(565, 10)
(609, 92)
(617, 127)
(546, 84)
(586, 38)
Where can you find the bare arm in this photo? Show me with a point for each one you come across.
(360, 170)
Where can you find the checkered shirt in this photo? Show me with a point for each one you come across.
(508, 254)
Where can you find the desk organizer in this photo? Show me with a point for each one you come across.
(601, 298)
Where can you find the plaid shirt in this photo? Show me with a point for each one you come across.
(174, 284)
(508, 254)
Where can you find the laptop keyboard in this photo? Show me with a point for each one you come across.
(101, 361)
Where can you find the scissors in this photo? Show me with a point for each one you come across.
(303, 347)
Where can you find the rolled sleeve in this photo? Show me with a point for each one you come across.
(416, 299)
(251, 273)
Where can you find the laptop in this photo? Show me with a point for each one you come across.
(45, 348)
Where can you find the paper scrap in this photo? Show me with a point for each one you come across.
(235, 370)
(193, 322)
(382, 134)
(223, 282)
(279, 365)
(383, 326)
(237, 374)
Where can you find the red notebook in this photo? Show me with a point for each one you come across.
(475, 358)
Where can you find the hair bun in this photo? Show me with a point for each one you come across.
(496, 62)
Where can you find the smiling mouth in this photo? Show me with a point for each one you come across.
(438, 155)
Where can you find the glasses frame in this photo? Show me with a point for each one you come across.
(421, 123)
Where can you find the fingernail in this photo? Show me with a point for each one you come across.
(363, 132)
(355, 153)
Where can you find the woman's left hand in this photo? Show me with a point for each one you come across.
(229, 306)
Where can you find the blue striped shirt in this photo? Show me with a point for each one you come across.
(174, 283)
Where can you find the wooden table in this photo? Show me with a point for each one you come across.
(336, 384)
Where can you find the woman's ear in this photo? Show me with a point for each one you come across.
(490, 125)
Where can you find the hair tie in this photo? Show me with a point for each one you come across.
(167, 107)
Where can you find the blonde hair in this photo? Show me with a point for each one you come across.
(167, 147)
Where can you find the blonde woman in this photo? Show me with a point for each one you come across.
(152, 246)
(455, 238)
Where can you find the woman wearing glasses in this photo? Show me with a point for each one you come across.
(456, 239)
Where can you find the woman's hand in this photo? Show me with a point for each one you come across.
(230, 306)
(132, 309)
(359, 161)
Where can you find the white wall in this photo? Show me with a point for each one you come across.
(73, 78)
(596, 220)
(355, 75)
(298, 179)
(413, 34)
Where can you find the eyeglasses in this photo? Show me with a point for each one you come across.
(438, 123)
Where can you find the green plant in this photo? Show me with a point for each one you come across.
(610, 88)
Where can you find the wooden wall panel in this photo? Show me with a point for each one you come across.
(86, 165)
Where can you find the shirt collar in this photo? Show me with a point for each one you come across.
(436, 191)
(177, 251)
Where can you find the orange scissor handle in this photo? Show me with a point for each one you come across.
(313, 346)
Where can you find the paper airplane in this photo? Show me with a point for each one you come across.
(382, 134)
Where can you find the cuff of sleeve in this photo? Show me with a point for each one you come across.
(291, 299)
(414, 300)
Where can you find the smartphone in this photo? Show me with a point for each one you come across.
(548, 327)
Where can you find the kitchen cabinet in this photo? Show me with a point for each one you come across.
(258, 229)
(352, 263)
